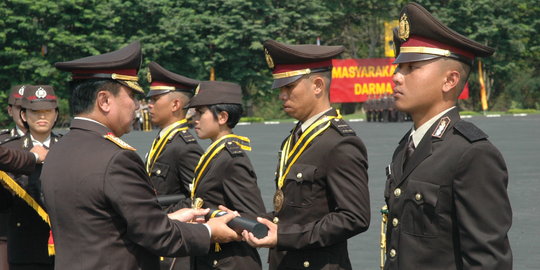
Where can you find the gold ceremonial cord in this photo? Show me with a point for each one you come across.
(288, 158)
(384, 221)
(13, 186)
(213, 150)
(159, 145)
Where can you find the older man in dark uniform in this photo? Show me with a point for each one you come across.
(174, 152)
(446, 188)
(103, 208)
(322, 196)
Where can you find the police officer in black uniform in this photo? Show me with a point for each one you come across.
(103, 208)
(224, 174)
(446, 190)
(322, 196)
(28, 234)
(174, 152)
(13, 109)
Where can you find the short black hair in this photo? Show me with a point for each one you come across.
(234, 110)
(84, 93)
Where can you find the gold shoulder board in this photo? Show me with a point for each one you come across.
(119, 142)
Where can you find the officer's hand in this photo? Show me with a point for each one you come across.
(223, 208)
(41, 152)
(221, 233)
(189, 214)
(268, 241)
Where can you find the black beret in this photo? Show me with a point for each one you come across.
(121, 65)
(163, 81)
(422, 37)
(290, 62)
(39, 97)
(216, 92)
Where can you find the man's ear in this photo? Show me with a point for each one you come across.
(451, 80)
(318, 85)
(103, 100)
(223, 117)
(177, 105)
(10, 111)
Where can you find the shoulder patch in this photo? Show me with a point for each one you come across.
(471, 132)
(234, 149)
(343, 127)
(187, 136)
(118, 142)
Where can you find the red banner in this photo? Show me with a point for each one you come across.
(353, 80)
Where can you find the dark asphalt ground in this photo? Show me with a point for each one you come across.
(517, 137)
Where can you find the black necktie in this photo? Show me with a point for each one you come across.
(408, 151)
(296, 134)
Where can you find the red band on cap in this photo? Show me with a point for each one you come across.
(181, 86)
(417, 41)
(292, 67)
(48, 97)
(127, 72)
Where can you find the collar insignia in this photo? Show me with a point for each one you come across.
(441, 127)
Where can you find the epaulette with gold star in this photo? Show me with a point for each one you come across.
(118, 142)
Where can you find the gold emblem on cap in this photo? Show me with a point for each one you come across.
(149, 77)
(269, 59)
(134, 85)
(404, 27)
(41, 93)
(21, 90)
(197, 89)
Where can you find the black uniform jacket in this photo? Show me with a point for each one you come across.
(27, 233)
(448, 208)
(230, 180)
(326, 202)
(103, 209)
(12, 160)
(172, 172)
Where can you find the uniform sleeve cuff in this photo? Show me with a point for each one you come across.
(209, 230)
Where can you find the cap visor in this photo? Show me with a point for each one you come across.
(284, 81)
(42, 105)
(414, 57)
(152, 93)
